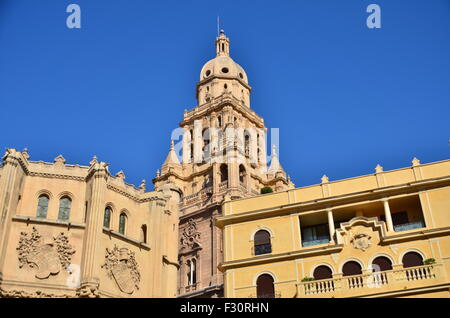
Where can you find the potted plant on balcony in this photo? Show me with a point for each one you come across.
(429, 261)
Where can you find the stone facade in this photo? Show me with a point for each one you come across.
(77, 231)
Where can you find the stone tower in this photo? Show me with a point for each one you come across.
(223, 157)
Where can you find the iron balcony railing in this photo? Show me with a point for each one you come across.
(315, 242)
(409, 226)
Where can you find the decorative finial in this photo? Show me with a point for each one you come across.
(274, 150)
(415, 162)
(60, 159)
(143, 185)
(172, 145)
(25, 153)
(378, 169)
(120, 175)
(158, 174)
(93, 161)
(324, 179)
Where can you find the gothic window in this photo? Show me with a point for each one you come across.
(381, 263)
(262, 243)
(122, 223)
(265, 287)
(412, 259)
(64, 208)
(144, 233)
(42, 206)
(107, 218)
(322, 272)
(192, 272)
(242, 174)
(247, 143)
(351, 268)
(223, 173)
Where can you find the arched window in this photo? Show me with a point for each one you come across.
(64, 208)
(381, 263)
(42, 206)
(242, 174)
(412, 259)
(265, 287)
(192, 272)
(223, 173)
(262, 242)
(144, 233)
(219, 121)
(247, 143)
(122, 223)
(107, 218)
(322, 272)
(351, 268)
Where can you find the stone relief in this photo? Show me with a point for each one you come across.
(121, 265)
(190, 236)
(47, 256)
(361, 241)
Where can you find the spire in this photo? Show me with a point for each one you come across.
(222, 44)
(172, 157)
(275, 165)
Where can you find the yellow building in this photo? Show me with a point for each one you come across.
(380, 235)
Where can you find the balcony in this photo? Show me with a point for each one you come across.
(409, 226)
(374, 283)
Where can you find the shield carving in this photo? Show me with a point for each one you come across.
(46, 259)
(122, 275)
(361, 241)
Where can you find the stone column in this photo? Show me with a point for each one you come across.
(198, 141)
(90, 260)
(387, 213)
(186, 145)
(331, 224)
(9, 190)
(262, 147)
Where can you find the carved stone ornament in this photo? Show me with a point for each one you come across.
(361, 241)
(190, 236)
(121, 265)
(48, 257)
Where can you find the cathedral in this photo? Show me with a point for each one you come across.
(79, 231)
(221, 220)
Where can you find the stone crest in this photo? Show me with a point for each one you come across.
(121, 265)
(190, 236)
(361, 241)
(47, 256)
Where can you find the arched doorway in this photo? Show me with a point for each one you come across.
(265, 287)
(352, 268)
(322, 272)
(412, 259)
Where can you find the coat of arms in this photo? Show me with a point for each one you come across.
(190, 236)
(361, 241)
(47, 256)
(122, 267)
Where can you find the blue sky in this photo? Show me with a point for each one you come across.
(344, 97)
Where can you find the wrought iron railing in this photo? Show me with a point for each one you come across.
(409, 226)
(315, 242)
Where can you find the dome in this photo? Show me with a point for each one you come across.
(223, 66)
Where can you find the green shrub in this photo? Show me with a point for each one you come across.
(266, 190)
(307, 279)
(429, 261)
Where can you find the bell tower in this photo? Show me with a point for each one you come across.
(223, 156)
